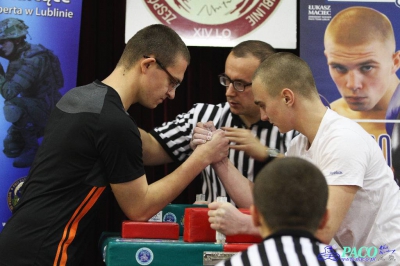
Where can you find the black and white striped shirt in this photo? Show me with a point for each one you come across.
(291, 248)
(175, 136)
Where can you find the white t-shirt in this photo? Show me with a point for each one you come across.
(348, 155)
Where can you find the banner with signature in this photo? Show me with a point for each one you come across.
(221, 23)
(39, 44)
(355, 69)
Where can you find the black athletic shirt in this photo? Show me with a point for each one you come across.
(90, 141)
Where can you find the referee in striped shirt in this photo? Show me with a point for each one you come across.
(250, 137)
(290, 204)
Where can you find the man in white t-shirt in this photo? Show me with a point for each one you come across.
(364, 201)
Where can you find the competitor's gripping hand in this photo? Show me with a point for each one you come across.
(226, 218)
(201, 133)
(216, 149)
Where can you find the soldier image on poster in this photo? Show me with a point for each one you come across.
(360, 48)
(30, 88)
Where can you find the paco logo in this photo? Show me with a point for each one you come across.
(362, 252)
(365, 254)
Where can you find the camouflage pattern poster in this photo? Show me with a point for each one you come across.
(219, 23)
(353, 49)
(39, 43)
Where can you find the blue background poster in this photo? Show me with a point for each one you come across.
(314, 18)
(55, 24)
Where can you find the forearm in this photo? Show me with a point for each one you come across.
(249, 228)
(165, 190)
(153, 152)
(238, 187)
(140, 201)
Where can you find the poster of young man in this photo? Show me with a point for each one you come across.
(39, 42)
(354, 53)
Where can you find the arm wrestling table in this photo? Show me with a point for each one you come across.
(158, 244)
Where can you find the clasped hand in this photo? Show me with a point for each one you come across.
(213, 144)
(240, 139)
(202, 133)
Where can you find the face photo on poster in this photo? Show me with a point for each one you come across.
(39, 45)
(218, 23)
(355, 63)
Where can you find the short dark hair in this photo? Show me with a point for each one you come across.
(158, 41)
(358, 25)
(291, 193)
(259, 49)
(286, 70)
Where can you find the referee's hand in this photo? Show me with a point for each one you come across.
(244, 140)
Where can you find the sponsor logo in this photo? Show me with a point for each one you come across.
(144, 256)
(169, 217)
(157, 217)
(224, 19)
(14, 193)
(336, 173)
(386, 254)
(364, 254)
(329, 254)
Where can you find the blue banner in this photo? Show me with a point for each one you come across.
(39, 45)
(355, 67)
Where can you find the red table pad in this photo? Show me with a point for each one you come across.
(154, 230)
(236, 247)
(197, 228)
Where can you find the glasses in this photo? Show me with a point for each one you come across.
(174, 81)
(237, 84)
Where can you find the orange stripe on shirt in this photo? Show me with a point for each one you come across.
(70, 231)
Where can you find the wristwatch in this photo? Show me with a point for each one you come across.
(272, 152)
